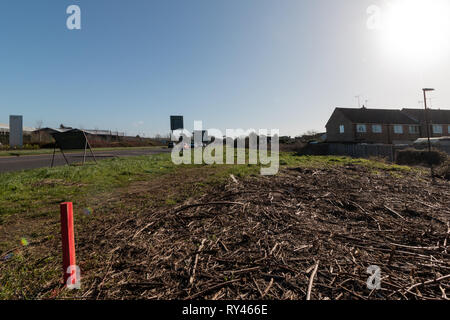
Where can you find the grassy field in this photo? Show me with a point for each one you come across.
(28, 191)
(29, 204)
(18, 153)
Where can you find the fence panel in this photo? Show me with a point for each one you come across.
(360, 150)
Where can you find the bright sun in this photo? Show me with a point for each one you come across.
(417, 31)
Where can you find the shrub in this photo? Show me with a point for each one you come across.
(444, 170)
(420, 157)
(24, 147)
(320, 149)
(296, 146)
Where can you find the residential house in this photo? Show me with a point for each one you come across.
(385, 126)
(439, 121)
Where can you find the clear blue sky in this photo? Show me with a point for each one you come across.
(232, 63)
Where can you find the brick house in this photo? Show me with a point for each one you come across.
(386, 126)
(439, 121)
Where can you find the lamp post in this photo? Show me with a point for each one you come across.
(425, 90)
(427, 123)
(359, 100)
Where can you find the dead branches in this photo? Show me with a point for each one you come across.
(311, 281)
(219, 203)
(346, 218)
(191, 280)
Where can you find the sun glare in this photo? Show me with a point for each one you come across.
(417, 31)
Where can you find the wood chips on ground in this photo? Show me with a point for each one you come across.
(305, 233)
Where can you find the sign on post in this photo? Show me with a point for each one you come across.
(176, 123)
(16, 131)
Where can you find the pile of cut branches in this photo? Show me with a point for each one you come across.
(304, 234)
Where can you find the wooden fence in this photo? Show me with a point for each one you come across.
(360, 150)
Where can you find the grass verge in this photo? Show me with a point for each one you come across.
(19, 153)
(27, 192)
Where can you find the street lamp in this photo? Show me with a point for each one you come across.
(425, 90)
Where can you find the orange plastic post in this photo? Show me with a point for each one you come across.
(68, 241)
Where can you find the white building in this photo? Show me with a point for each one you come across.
(4, 128)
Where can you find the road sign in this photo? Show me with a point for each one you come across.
(176, 123)
(16, 131)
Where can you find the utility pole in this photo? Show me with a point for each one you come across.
(359, 100)
(427, 123)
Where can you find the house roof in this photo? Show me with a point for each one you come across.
(104, 132)
(51, 130)
(436, 116)
(381, 116)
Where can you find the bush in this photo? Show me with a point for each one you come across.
(296, 146)
(420, 157)
(320, 149)
(25, 147)
(126, 143)
(444, 170)
(31, 147)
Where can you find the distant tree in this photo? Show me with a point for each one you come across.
(39, 124)
(311, 133)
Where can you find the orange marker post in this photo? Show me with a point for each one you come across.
(68, 242)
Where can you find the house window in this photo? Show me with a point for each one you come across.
(398, 129)
(376, 128)
(437, 129)
(341, 128)
(361, 128)
(414, 129)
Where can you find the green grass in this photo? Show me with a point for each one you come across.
(18, 153)
(31, 191)
(291, 160)
(27, 191)
(25, 275)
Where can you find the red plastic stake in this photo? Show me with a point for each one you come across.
(68, 242)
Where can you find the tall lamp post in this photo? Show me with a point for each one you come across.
(427, 123)
(425, 90)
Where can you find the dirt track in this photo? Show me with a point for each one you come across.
(272, 237)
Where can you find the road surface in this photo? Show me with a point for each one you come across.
(8, 164)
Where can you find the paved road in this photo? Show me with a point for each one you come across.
(41, 161)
